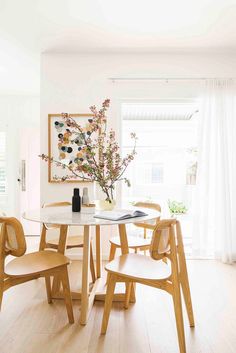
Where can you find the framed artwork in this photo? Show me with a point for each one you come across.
(60, 146)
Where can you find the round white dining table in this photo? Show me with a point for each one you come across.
(64, 217)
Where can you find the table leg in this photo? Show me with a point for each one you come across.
(61, 249)
(42, 243)
(85, 277)
(123, 239)
(98, 252)
(62, 239)
(125, 250)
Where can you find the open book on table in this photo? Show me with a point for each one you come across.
(120, 215)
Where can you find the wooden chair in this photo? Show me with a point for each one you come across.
(30, 266)
(134, 242)
(130, 268)
(71, 242)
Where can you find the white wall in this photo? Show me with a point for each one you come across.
(73, 82)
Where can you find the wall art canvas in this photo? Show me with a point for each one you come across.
(65, 146)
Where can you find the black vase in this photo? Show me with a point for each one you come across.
(76, 201)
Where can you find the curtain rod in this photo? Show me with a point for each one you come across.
(166, 78)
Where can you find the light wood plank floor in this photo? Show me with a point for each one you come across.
(29, 325)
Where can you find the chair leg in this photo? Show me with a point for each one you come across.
(183, 273)
(112, 252)
(176, 292)
(56, 285)
(187, 300)
(132, 298)
(127, 295)
(67, 294)
(42, 243)
(111, 256)
(48, 289)
(145, 237)
(108, 302)
(179, 318)
(92, 268)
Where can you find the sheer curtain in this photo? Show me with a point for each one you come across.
(215, 199)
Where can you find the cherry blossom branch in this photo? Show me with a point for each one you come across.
(102, 161)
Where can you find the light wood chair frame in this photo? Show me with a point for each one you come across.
(174, 252)
(144, 226)
(44, 244)
(7, 281)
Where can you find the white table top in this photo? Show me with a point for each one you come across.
(64, 215)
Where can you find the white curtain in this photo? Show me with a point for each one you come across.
(214, 231)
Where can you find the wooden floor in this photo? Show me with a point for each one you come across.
(29, 325)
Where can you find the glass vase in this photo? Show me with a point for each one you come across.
(100, 199)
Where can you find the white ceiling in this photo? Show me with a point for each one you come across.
(29, 27)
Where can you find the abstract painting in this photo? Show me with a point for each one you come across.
(65, 146)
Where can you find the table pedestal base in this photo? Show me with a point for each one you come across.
(98, 292)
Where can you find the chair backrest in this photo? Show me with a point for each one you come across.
(12, 236)
(163, 234)
(151, 206)
(55, 204)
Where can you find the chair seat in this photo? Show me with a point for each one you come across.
(138, 267)
(71, 242)
(35, 263)
(133, 242)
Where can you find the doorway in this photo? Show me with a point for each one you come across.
(19, 161)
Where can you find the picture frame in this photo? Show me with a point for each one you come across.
(64, 152)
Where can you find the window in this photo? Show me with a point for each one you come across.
(165, 166)
(157, 173)
(147, 173)
(2, 162)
